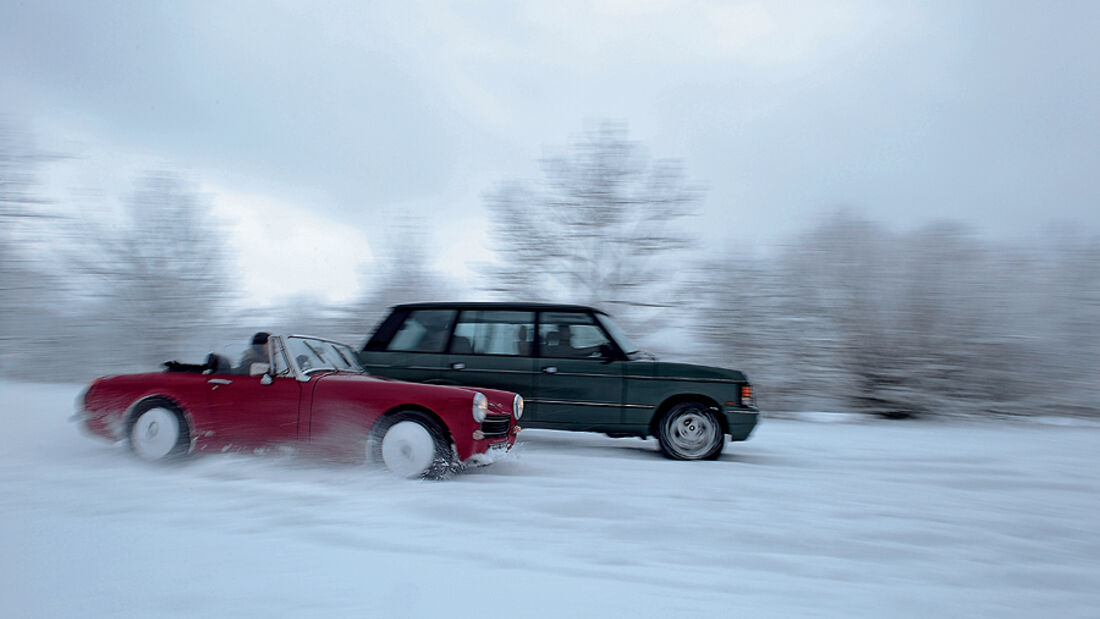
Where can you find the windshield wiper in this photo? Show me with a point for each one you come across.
(330, 366)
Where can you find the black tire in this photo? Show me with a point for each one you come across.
(411, 444)
(157, 431)
(690, 431)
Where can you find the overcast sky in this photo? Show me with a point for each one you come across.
(316, 124)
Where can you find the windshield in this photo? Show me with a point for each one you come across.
(314, 355)
(617, 334)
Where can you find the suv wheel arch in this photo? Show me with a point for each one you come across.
(686, 397)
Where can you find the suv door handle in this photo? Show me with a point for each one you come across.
(550, 369)
(458, 366)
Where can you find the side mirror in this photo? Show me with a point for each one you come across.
(258, 369)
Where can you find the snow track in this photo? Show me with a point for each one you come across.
(867, 519)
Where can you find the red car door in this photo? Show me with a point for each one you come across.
(247, 413)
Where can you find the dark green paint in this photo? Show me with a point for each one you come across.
(617, 394)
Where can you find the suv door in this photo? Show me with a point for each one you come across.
(410, 345)
(493, 348)
(579, 385)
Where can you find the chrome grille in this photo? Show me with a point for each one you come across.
(495, 427)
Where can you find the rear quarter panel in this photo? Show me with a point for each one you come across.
(109, 400)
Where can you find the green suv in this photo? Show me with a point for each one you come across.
(574, 367)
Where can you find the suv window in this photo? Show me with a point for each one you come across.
(570, 335)
(494, 333)
(423, 331)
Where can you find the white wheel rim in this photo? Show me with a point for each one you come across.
(155, 433)
(408, 449)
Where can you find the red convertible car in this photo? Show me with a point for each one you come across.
(305, 391)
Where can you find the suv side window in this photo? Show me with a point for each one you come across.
(423, 331)
(570, 335)
(494, 333)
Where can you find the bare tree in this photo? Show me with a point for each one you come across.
(599, 227)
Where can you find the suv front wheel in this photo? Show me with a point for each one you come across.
(690, 431)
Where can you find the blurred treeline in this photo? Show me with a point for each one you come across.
(848, 315)
(852, 316)
(89, 288)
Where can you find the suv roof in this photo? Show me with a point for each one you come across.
(507, 305)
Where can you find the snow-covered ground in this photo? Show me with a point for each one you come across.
(807, 519)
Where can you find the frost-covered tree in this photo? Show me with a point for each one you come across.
(599, 228)
(158, 274)
(24, 286)
(1059, 319)
(757, 315)
(934, 321)
(401, 273)
(902, 318)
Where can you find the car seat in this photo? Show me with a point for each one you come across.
(217, 364)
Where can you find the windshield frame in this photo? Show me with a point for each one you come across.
(320, 350)
(621, 339)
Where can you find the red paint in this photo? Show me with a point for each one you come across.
(331, 414)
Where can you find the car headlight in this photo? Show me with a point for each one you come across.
(517, 406)
(481, 407)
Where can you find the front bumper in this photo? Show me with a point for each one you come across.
(487, 451)
(741, 421)
(494, 437)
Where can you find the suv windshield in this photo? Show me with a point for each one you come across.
(617, 334)
(315, 355)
